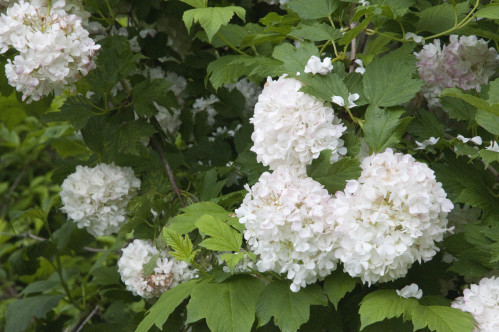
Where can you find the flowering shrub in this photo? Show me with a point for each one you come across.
(239, 166)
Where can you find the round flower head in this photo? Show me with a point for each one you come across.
(466, 63)
(390, 217)
(54, 48)
(288, 224)
(292, 128)
(167, 274)
(96, 198)
(482, 301)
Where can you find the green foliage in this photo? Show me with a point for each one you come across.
(384, 128)
(333, 176)
(185, 223)
(294, 59)
(167, 302)
(221, 236)
(212, 18)
(227, 306)
(19, 313)
(290, 310)
(387, 81)
(147, 92)
(442, 319)
(181, 245)
(440, 18)
(337, 285)
(312, 9)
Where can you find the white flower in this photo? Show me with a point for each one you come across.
(288, 224)
(341, 102)
(466, 62)
(390, 217)
(96, 198)
(493, 146)
(477, 139)
(167, 274)
(413, 36)
(363, 3)
(54, 48)
(360, 69)
(292, 128)
(431, 141)
(410, 291)
(315, 66)
(482, 301)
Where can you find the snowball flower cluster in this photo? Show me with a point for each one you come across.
(466, 62)
(482, 301)
(54, 48)
(289, 225)
(390, 217)
(410, 291)
(206, 105)
(315, 66)
(167, 274)
(96, 198)
(292, 128)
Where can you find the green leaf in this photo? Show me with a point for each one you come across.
(337, 285)
(489, 156)
(488, 121)
(383, 128)
(290, 310)
(294, 59)
(167, 302)
(324, 87)
(352, 33)
(181, 245)
(382, 304)
(75, 110)
(196, 3)
(425, 125)
(147, 92)
(442, 319)
(315, 32)
(222, 236)
(108, 275)
(440, 18)
(458, 109)
(185, 223)
(228, 306)
(387, 80)
(212, 18)
(491, 11)
(472, 100)
(19, 313)
(313, 9)
(150, 265)
(211, 187)
(223, 71)
(232, 259)
(333, 176)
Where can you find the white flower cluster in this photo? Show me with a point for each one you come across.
(167, 274)
(96, 198)
(466, 62)
(292, 128)
(482, 301)
(289, 225)
(390, 217)
(54, 48)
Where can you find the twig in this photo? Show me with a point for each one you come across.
(168, 169)
(79, 327)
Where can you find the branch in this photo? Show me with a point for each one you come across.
(79, 327)
(157, 146)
